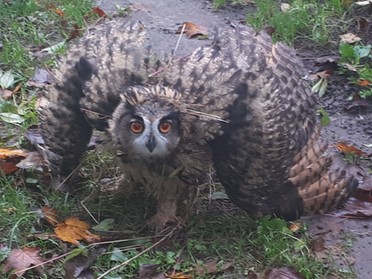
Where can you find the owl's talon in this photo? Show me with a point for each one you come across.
(161, 221)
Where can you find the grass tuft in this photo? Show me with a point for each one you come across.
(309, 19)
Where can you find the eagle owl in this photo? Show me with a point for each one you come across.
(239, 103)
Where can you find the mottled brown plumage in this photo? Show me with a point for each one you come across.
(241, 100)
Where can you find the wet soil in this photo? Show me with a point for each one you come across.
(354, 126)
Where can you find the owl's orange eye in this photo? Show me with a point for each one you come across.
(136, 127)
(165, 127)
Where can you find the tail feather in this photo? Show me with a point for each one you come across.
(322, 179)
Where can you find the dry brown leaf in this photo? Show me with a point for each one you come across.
(295, 227)
(34, 161)
(317, 245)
(98, 11)
(343, 147)
(282, 273)
(192, 30)
(349, 38)
(9, 159)
(6, 153)
(7, 167)
(6, 93)
(364, 82)
(178, 275)
(212, 267)
(73, 229)
(355, 208)
(20, 259)
(75, 32)
(59, 12)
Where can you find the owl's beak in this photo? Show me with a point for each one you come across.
(150, 144)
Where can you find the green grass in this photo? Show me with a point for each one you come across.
(305, 19)
(30, 26)
(33, 33)
(217, 4)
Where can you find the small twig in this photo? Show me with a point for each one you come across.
(87, 210)
(179, 40)
(206, 115)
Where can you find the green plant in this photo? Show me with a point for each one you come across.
(281, 246)
(219, 3)
(357, 58)
(300, 19)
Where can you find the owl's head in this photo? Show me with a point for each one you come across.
(147, 124)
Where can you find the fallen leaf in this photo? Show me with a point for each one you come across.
(6, 93)
(212, 267)
(79, 265)
(59, 12)
(33, 161)
(98, 12)
(41, 76)
(178, 275)
(7, 167)
(148, 271)
(6, 79)
(317, 244)
(73, 229)
(11, 118)
(105, 225)
(363, 82)
(321, 86)
(282, 273)
(11, 153)
(345, 148)
(54, 48)
(355, 208)
(20, 259)
(75, 32)
(294, 227)
(349, 38)
(192, 30)
(34, 136)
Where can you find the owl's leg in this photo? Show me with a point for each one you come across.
(65, 131)
(170, 195)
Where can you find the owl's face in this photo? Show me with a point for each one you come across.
(147, 131)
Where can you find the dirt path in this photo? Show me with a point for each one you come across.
(163, 17)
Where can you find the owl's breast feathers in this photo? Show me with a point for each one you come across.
(242, 98)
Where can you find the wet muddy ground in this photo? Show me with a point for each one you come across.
(163, 18)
